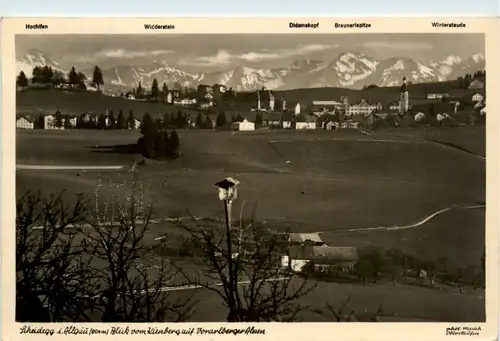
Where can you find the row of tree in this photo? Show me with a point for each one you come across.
(48, 77)
(375, 264)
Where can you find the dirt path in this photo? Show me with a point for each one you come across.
(418, 224)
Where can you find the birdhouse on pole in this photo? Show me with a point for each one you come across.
(227, 189)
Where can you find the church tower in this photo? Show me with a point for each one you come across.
(404, 102)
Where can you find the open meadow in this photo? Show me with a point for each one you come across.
(333, 182)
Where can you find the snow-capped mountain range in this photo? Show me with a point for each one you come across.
(353, 70)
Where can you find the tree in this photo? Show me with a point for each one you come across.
(155, 91)
(164, 88)
(22, 80)
(81, 78)
(58, 119)
(121, 123)
(131, 120)
(173, 144)
(166, 121)
(221, 120)
(199, 121)
(37, 75)
(80, 265)
(97, 78)
(73, 77)
(270, 295)
(139, 91)
(258, 119)
(46, 75)
(208, 123)
(147, 126)
(181, 121)
(160, 145)
(40, 122)
(67, 123)
(43, 259)
(101, 122)
(147, 141)
(58, 78)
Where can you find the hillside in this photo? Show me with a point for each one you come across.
(48, 101)
(34, 101)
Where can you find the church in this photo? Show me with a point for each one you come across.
(404, 101)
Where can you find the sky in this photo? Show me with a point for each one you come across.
(214, 52)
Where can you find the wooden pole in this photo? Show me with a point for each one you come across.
(230, 257)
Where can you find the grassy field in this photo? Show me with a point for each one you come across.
(400, 301)
(48, 101)
(331, 182)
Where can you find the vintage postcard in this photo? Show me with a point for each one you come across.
(272, 178)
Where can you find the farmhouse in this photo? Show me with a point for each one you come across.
(483, 111)
(287, 120)
(477, 97)
(363, 108)
(25, 122)
(320, 257)
(271, 119)
(330, 125)
(306, 122)
(49, 123)
(244, 125)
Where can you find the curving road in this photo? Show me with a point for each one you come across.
(418, 224)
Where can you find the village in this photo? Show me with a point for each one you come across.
(262, 109)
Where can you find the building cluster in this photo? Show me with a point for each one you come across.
(50, 122)
(269, 111)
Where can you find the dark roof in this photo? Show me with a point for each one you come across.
(226, 183)
(287, 116)
(27, 118)
(311, 119)
(323, 253)
(271, 116)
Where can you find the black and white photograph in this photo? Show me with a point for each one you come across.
(250, 177)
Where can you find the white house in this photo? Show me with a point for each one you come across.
(297, 109)
(320, 256)
(436, 96)
(25, 122)
(244, 125)
(477, 97)
(305, 125)
(483, 111)
(49, 123)
(306, 122)
(419, 117)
